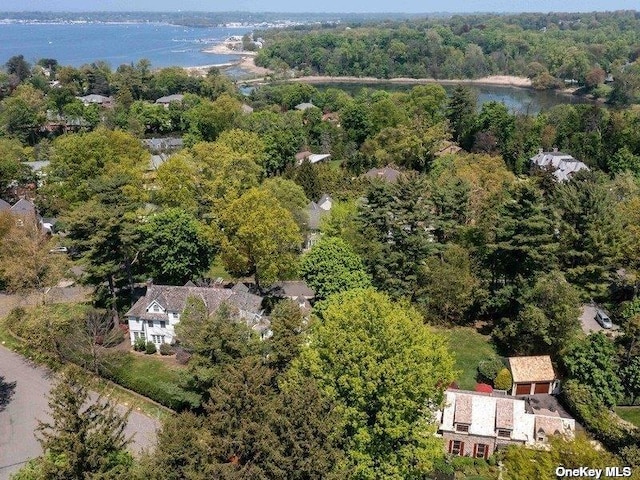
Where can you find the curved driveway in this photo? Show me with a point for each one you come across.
(27, 403)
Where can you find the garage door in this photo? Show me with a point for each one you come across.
(523, 389)
(542, 387)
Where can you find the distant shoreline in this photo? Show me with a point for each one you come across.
(493, 80)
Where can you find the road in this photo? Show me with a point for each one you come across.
(27, 403)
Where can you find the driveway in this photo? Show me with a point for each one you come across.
(23, 401)
(588, 320)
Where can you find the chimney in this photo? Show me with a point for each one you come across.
(540, 150)
(555, 149)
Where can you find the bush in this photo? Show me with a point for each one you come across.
(488, 369)
(139, 345)
(150, 348)
(182, 356)
(504, 380)
(166, 349)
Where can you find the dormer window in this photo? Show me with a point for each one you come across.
(155, 308)
(540, 436)
(462, 427)
(502, 433)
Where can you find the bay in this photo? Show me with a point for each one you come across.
(77, 44)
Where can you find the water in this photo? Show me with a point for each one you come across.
(78, 44)
(517, 100)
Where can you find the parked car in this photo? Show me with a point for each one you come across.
(58, 250)
(603, 319)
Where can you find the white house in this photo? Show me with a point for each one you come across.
(561, 164)
(476, 424)
(154, 316)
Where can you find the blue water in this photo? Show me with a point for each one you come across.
(78, 44)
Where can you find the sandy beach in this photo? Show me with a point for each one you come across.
(495, 80)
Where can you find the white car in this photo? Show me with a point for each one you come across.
(59, 250)
(603, 319)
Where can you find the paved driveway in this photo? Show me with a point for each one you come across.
(588, 320)
(26, 402)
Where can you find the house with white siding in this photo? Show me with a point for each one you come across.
(154, 316)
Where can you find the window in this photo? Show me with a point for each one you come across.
(462, 427)
(504, 433)
(157, 338)
(137, 335)
(163, 324)
(541, 437)
(155, 308)
(149, 323)
(456, 447)
(481, 450)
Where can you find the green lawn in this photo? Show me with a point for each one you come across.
(630, 414)
(469, 348)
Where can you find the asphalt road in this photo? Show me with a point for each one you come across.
(24, 403)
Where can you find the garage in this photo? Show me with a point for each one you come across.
(523, 389)
(542, 387)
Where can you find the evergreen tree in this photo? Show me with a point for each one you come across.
(461, 114)
(84, 440)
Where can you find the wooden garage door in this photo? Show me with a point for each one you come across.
(523, 389)
(542, 387)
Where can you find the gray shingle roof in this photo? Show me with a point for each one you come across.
(4, 205)
(170, 98)
(23, 207)
(173, 298)
(293, 289)
(386, 174)
(562, 164)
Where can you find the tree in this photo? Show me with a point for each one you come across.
(11, 157)
(592, 362)
(386, 371)
(546, 318)
(289, 334)
(461, 113)
(175, 247)
(447, 285)
(19, 67)
(332, 267)
(81, 441)
(291, 196)
(21, 114)
(261, 237)
(394, 235)
(630, 376)
(25, 261)
(207, 120)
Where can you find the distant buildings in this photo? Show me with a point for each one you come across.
(167, 100)
(315, 212)
(386, 174)
(94, 99)
(311, 157)
(562, 165)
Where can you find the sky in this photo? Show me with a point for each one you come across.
(331, 6)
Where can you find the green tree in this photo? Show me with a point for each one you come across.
(332, 267)
(11, 168)
(19, 67)
(289, 328)
(175, 247)
(630, 376)
(591, 361)
(179, 183)
(547, 318)
(291, 196)
(393, 239)
(386, 371)
(260, 238)
(447, 285)
(461, 114)
(81, 442)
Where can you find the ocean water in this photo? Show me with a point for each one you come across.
(81, 43)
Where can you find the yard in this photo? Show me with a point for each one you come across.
(630, 414)
(469, 348)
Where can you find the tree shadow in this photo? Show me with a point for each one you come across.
(7, 390)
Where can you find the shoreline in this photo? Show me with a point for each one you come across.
(493, 80)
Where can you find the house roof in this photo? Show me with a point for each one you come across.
(386, 174)
(562, 164)
(302, 155)
(318, 157)
(94, 98)
(293, 289)
(531, 369)
(315, 212)
(163, 143)
(37, 165)
(174, 298)
(23, 207)
(4, 205)
(177, 97)
(156, 160)
(305, 106)
(504, 413)
(247, 108)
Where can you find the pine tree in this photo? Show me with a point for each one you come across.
(85, 439)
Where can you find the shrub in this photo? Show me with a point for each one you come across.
(182, 356)
(488, 369)
(503, 380)
(166, 349)
(150, 348)
(139, 345)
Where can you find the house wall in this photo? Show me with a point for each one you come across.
(532, 388)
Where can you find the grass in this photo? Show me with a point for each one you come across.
(630, 414)
(469, 348)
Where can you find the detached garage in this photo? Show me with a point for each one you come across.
(532, 375)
